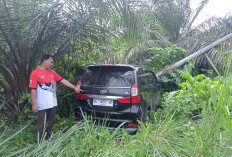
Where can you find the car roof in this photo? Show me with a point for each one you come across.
(117, 65)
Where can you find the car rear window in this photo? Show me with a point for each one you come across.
(108, 76)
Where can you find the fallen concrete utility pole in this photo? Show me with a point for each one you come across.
(192, 56)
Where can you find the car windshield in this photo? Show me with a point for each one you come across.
(111, 76)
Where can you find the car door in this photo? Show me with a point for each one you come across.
(144, 95)
(153, 89)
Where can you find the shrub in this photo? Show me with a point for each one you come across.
(194, 93)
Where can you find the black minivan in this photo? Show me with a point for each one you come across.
(117, 94)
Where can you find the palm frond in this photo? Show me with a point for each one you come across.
(206, 33)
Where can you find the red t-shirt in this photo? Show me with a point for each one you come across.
(45, 84)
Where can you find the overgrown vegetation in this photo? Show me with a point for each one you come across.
(160, 58)
(194, 121)
(196, 115)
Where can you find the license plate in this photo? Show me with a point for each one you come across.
(103, 102)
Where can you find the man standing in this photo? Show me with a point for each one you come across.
(43, 95)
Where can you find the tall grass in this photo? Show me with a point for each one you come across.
(212, 133)
(165, 135)
(170, 132)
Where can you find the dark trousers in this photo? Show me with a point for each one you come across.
(45, 120)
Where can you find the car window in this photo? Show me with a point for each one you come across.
(109, 77)
(151, 78)
(142, 80)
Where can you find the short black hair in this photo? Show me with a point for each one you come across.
(46, 56)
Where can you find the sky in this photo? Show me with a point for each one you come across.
(218, 8)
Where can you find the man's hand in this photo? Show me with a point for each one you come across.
(77, 90)
(35, 108)
(70, 85)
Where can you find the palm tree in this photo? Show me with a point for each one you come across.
(194, 55)
(29, 29)
(157, 23)
(171, 22)
(206, 33)
(21, 44)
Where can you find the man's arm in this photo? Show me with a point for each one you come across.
(70, 85)
(33, 100)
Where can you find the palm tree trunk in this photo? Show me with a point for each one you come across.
(192, 56)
